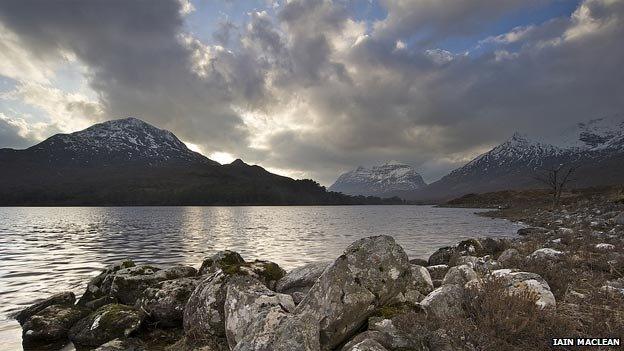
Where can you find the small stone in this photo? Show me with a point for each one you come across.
(605, 247)
(220, 260)
(131, 344)
(438, 271)
(509, 257)
(459, 275)
(545, 254)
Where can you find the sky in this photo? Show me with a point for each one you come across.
(313, 88)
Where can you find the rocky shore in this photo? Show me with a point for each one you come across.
(562, 278)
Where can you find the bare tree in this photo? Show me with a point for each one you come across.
(557, 178)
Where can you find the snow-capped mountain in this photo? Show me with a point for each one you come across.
(596, 147)
(383, 180)
(122, 140)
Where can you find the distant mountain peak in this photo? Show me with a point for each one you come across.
(382, 180)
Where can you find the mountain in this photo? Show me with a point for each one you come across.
(384, 180)
(595, 147)
(130, 162)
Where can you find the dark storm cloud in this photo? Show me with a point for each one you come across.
(137, 61)
(321, 92)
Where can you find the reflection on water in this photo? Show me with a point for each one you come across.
(46, 250)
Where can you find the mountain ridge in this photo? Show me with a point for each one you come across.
(130, 162)
(596, 147)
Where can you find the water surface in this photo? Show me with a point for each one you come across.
(47, 250)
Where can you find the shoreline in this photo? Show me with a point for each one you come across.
(564, 272)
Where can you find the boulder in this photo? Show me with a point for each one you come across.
(370, 272)
(269, 273)
(203, 313)
(367, 345)
(165, 302)
(66, 298)
(494, 246)
(126, 284)
(442, 256)
(95, 289)
(301, 278)
(421, 280)
(444, 302)
(470, 247)
(279, 331)
(419, 262)
(220, 260)
(525, 282)
(247, 297)
(257, 318)
(51, 324)
(393, 337)
(532, 231)
(459, 275)
(107, 323)
(545, 254)
(466, 260)
(131, 344)
(438, 271)
(509, 257)
(382, 338)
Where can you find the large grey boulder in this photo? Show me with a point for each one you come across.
(444, 302)
(203, 313)
(66, 298)
(51, 324)
(518, 283)
(260, 319)
(369, 273)
(220, 260)
(165, 302)
(459, 275)
(95, 289)
(245, 300)
(393, 338)
(107, 323)
(301, 279)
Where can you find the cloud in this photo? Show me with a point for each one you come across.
(310, 89)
